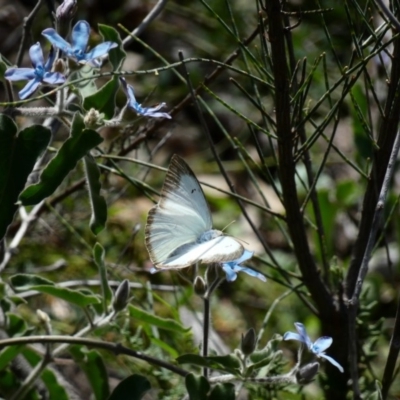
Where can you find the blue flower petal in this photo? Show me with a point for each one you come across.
(128, 90)
(150, 110)
(53, 78)
(36, 55)
(231, 275)
(80, 36)
(19, 74)
(50, 59)
(100, 51)
(244, 257)
(30, 87)
(231, 268)
(250, 272)
(303, 334)
(145, 111)
(333, 362)
(148, 113)
(321, 344)
(292, 336)
(57, 41)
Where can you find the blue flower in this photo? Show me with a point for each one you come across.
(318, 347)
(232, 268)
(40, 73)
(145, 111)
(79, 40)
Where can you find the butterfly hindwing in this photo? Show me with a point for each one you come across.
(217, 250)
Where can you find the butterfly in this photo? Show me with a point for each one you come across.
(179, 228)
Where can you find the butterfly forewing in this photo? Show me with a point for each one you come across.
(181, 215)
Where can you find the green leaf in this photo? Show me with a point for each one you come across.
(98, 255)
(73, 149)
(104, 99)
(56, 389)
(69, 295)
(151, 319)
(135, 385)
(3, 292)
(18, 154)
(94, 368)
(16, 326)
(26, 281)
(359, 113)
(226, 363)
(7, 355)
(21, 282)
(4, 64)
(172, 351)
(87, 87)
(116, 55)
(98, 204)
(224, 391)
(348, 193)
(197, 387)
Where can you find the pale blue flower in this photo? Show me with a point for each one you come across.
(40, 73)
(232, 268)
(145, 111)
(318, 347)
(79, 40)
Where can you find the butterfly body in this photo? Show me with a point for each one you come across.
(179, 228)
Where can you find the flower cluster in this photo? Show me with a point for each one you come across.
(42, 73)
(79, 40)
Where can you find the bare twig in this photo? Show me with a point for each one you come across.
(388, 14)
(115, 348)
(146, 21)
(28, 21)
(26, 221)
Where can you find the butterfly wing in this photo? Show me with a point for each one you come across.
(217, 250)
(181, 215)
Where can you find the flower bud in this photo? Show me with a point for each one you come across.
(64, 14)
(307, 373)
(44, 319)
(59, 66)
(121, 296)
(200, 286)
(93, 119)
(249, 341)
(66, 10)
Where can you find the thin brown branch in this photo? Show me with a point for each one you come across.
(115, 348)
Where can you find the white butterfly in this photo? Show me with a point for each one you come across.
(179, 228)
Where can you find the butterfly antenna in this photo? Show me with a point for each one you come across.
(230, 223)
(239, 240)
